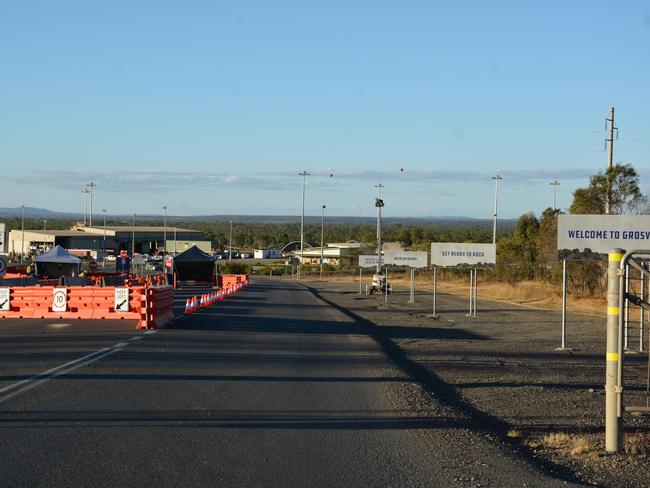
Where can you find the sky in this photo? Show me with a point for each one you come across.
(212, 107)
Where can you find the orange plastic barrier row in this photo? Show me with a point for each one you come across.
(152, 307)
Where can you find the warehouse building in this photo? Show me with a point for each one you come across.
(93, 241)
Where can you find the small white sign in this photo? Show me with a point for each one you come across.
(463, 255)
(3, 237)
(5, 299)
(121, 300)
(59, 299)
(412, 259)
(368, 260)
(3, 265)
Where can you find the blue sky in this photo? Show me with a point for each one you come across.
(214, 107)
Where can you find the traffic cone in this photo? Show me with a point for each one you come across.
(195, 303)
(188, 307)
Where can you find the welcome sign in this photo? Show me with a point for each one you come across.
(591, 237)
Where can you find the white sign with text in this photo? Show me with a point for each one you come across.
(591, 237)
(463, 255)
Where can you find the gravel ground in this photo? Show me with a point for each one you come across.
(501, 371)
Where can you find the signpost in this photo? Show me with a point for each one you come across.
(590, 238)
(59, 299)
(412, 259)
(463, 255)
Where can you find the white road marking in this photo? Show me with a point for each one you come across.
(136, 338)
(59, 326)
(147, 332)
(41, 378)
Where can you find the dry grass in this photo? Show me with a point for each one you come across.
(556, 440)
(534, 294)
(513, 433)
(637, 443)
(576, 445)
(580, 446)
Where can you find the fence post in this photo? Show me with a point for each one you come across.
(613, 433)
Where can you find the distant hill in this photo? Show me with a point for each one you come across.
(34, 213)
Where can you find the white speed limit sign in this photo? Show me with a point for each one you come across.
(5, 299)
(121, 300)
(59, 299)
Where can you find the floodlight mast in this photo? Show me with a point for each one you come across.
(379, 203)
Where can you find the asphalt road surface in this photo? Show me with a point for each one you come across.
(272, 387)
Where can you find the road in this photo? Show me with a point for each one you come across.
(272, 387)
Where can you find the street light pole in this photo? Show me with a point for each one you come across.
(322, 239)
(104, 241)
(90, 216)
(165, 232)
(85, 191)
(304, 175)
(554, 184)
(496, 202)
(379, 203)
(133, 236)
(230, 244)
(44, 225)
(22, 231)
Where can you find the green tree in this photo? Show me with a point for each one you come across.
(626, 196)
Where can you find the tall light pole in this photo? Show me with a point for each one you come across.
(165, 232)
(22, 231)
(304, 175)
(379, 203)
(554, 184)
(133, 236)
(85, 191)
(44, 225)
(230, 244)
(91, 185)
(322, 239)
(104, 241)
(496, 203)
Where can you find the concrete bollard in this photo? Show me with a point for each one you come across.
(613, 433)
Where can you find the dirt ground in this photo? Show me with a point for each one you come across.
(503, 363)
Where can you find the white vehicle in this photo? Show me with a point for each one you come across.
(379, 284)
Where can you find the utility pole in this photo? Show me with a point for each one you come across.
(104, 241)
(554, 184)
(496, 202)
(133, 236)
(609, 142)
(322, 239)
(90, 217)
(379, 203)
(22, 231)
(44, 225)
(165, 232)
(230, 244)
(304, 175)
